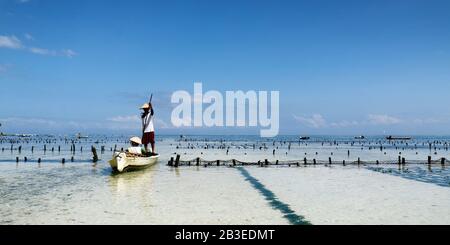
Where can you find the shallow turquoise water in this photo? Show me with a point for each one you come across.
(82, 192)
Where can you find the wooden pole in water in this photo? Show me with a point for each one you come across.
(443, 161)
(329, 161)
(429, 160)
(305, 161)
(177, 161)
(198, 161)
(234, 162)
(218, 162)
(314, 161)
(94, 152)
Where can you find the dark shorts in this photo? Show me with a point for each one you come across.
(148, 138)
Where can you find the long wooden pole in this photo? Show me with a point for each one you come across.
(143, 123)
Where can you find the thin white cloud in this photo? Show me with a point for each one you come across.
(136, 120)
(344, 124)
(129, 123)
(125, 119)
(42, 51)
(65, 52)
(28, 121)
(48, 124)
(318, 121)
(68, 53)
(383, 120)
(11, 42)
(315, 121)
(28, 36)
(429, 121)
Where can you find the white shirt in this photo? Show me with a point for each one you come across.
(135, 150)
(148, 123)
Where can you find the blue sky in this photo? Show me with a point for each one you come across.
(342, 67)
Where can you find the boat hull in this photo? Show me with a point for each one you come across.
(121, 161)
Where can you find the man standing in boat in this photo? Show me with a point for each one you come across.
(147, 127)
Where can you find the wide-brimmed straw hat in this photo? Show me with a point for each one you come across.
(145, 106)
(136, 140)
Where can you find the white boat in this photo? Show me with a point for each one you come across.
(122, 161)
(80, 136)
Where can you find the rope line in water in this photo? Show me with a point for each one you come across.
(235, 162)
(287, 212)
(34, 160)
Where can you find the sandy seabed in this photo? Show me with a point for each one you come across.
(80, 193)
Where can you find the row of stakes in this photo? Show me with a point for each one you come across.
(72, 149)
(95, 158)
(401, 161)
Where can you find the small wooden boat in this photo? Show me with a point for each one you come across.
(361, 137)
(122, 161)
(80, 136)
(305, 138)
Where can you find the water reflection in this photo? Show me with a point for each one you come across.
(176, 170)
(132, 181)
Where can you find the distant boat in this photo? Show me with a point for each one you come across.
(361, 137)
(79, 136)
(305, 138)
(398, 138)
(24, 135)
